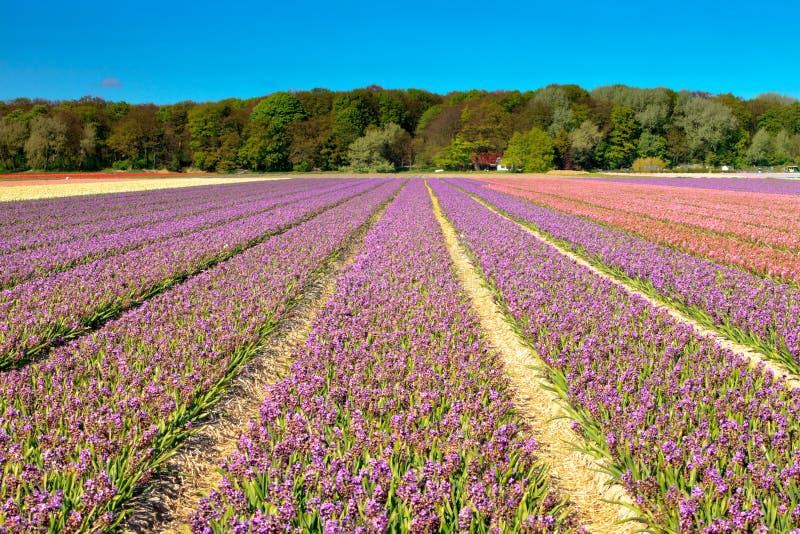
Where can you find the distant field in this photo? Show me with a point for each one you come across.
(32, 187)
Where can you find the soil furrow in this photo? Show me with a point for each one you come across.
(754, 357)
(574, 474)
(167, 504)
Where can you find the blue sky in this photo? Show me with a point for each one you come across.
(165, 52)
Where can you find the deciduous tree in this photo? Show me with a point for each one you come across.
(457, 155)
(623, 138)
(708, 125)
(309, 145)
(530, 152)
(13, 134)
(47, 138)
(278, 110)
(584, 140)
(759, 151)
(379, 150)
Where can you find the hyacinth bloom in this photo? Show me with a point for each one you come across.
(759, 217)
(81, 430)
(757, 232)
(58, 252)
(753, 310)
(65, 304)
(751, 185)
(701, 441)
(395, 415)
(25, 217)
(35, 224)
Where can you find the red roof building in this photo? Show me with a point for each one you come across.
(486, 160)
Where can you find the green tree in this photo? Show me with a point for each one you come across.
(88, 146)
(652, 107)
(137, 137)
(392, 109)
(623, 138)
(436, 132)
(652, 146)
(486, 124)
(428, 116)
(417, 102)
(530, 152)
(708, 125)
(265, 145)
(174, 121)
(215, 134)
(309, 143)
(794, 148)
(781, 148)
(535, 114)
(379, 150)
(740, 110)
(738, 152)
(584, 140)
(352, 113)
(677, 148)
(317, 102)
(47, 139)
(278, 110)
(563, 151)
(457, 155)
(117, 110)
(554, 109)
(760, 148)
(265, 148)
(13, 134)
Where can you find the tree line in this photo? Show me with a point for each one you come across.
(379, 130)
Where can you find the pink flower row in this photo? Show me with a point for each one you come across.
(727, 249)
(760, 218)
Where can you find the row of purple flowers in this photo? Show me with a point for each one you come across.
(82, 430)
(394, 417)
(756, 311)
(67, 221)
(22, 217)
(66, 304)
(701, 441)
(60, 255)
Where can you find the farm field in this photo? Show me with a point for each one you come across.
(756, 232)
(48, 186)
(397, 354)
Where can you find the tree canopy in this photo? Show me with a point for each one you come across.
(531, 151)
(320, 129)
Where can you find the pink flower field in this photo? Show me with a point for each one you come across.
(758, 232)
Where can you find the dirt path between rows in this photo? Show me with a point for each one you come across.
(754, 357)
(193, 471)
(573, 474)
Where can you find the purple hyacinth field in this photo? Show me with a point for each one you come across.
(323, 355)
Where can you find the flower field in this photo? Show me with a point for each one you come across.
(756, 232)
(756, 311)
(127, 316)
(753, 185)
(33, 187)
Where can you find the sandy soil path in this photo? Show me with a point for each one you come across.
(755, 358)
(167, 506)
(574, 474)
